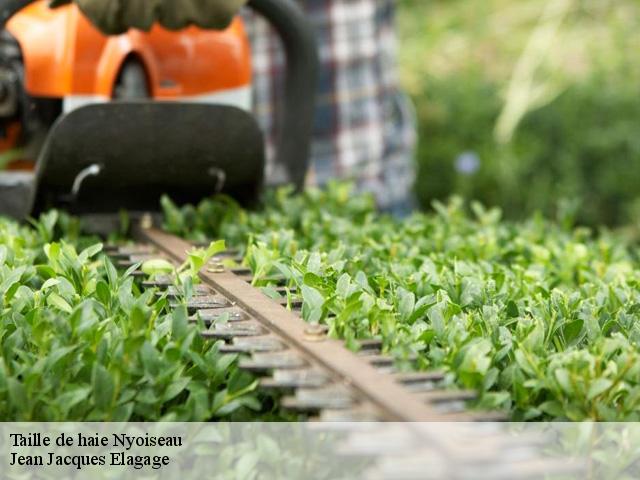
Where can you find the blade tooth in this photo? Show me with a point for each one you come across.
(129, 261)
(232, 253)
(448, 401)
(278, 281)
(299, 378)
(422, 387)
(335, 397)
(475, 416)
(408, 378)
(237, 259)
(362, 413)
(208, 301)
(126, 256)
(443, 396)
(124, 251)
(174, 292)
(213, 315)
(229, 252)
(421, 382)
(205, 302)
(295, 304)
(161, 281)
(125, 263)
(262, 343)
(262, 362)
(489, 416)
(236, 329)
(141, 257)
(428, 465)
(285, 290)
(387, 440)
(373, 344)
(380, 361)
(242, 271)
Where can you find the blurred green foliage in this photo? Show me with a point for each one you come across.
(574, 151)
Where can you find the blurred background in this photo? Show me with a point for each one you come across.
(530, 105)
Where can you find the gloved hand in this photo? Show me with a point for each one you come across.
(117, 16)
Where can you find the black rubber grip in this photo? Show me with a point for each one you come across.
(296, 110)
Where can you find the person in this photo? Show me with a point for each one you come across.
(364, 128)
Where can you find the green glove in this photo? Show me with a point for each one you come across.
(117, 16)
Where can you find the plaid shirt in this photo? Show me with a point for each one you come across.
(364, 126)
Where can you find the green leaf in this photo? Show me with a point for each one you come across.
(52, 251)
(215, 248)
(552, 408)
(564, 379)
(71, 398)
(17, 393)
(103, 292)
(246, 465)
(57, 301)
(103, 386)
(598, 387)
(312, 297)
(476, 358)
(314, 264)
(572, 330)
(512, 309)
(138, 318)
(129, 271)
(89, 252)
(407, 303)
(175, 388)
(157, 266)
(342, 287)
(313, 280)
(179, 323)
(524, 363)
(150, 358)
(52, 282)
(112, 273)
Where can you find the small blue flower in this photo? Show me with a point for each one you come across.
(467, 163)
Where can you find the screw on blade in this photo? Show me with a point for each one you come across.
(216, 267)
(305, 377)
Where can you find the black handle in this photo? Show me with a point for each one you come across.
(296, 111)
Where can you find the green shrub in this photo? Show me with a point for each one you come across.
(540, 319)
(80, 341)
(583, 149)
(476, 71)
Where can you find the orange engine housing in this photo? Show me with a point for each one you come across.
(65, 57)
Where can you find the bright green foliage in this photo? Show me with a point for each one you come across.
(539, 318)
(79, 341)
